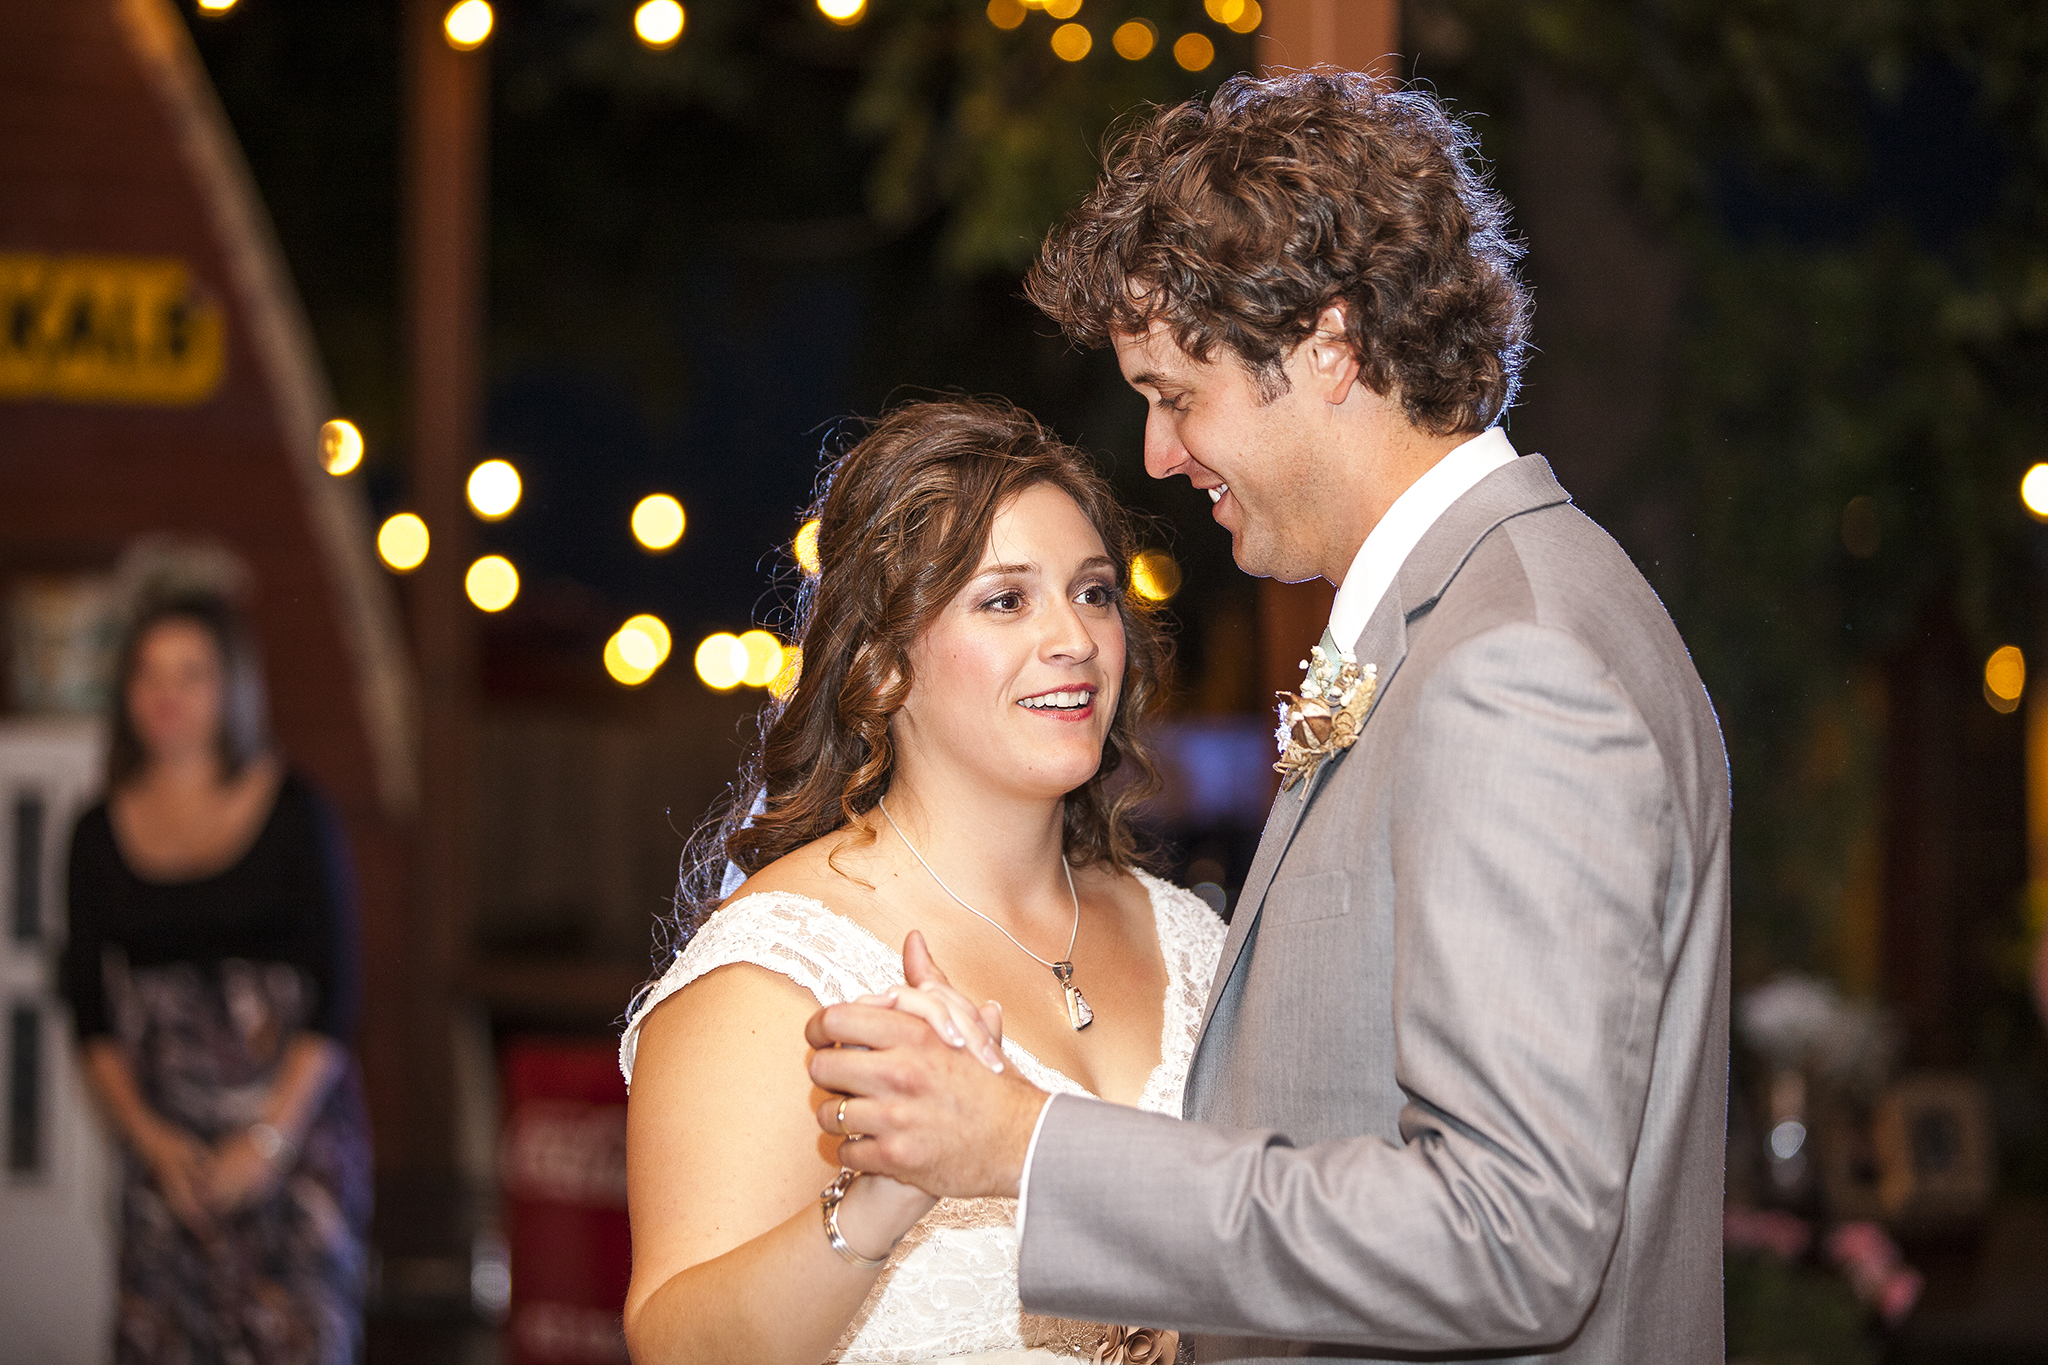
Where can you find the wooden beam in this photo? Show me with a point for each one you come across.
(449, 104)
(1357, 35)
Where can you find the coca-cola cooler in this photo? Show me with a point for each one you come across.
(562, 1161)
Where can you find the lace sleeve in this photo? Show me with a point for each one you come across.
(794, 936)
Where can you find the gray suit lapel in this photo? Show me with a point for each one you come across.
(1383, 642)
(1524, 485)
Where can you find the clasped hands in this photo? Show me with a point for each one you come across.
(203, 1183)
(918, 1087)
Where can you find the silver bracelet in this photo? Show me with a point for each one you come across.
(828, 1200)
(270, 1144)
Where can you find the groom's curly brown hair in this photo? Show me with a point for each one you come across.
(1237, 222)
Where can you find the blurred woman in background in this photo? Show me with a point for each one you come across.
(212, 973)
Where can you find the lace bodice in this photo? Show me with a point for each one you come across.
(950, 1287)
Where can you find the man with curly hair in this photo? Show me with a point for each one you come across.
(1461, 1089)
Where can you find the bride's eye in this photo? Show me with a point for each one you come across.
(1005, 601)
(1096, 595)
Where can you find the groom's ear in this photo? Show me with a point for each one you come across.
(1331, 360)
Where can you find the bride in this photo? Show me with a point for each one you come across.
(973, 674)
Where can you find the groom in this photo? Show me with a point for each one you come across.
(1462, 1084)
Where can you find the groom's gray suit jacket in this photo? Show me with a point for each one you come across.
(1462, 1087)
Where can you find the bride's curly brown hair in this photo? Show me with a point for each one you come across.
(903, 519)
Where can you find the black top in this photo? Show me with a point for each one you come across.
(290, 898)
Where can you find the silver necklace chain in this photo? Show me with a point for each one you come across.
(1072, 938)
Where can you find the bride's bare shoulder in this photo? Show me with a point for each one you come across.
(832, 870)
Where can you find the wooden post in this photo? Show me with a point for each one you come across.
(449, 105)
(1357, 35)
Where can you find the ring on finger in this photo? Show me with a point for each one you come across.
(840, 1119)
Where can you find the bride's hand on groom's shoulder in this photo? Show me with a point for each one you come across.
(918, 1107)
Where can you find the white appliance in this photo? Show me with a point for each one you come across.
(58, 1191)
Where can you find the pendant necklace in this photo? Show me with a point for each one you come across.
(1078, 1013)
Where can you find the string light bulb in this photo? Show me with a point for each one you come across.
(1134, 40)
(2005, 679)
(658, 522)
(805, 547)
(494, 489)
(492, 583)
(402, 541)
(341, 446)
(658, 23)
(1071, 42)
(1154, 575)
(2034, 492)
(1194, 52)
(721, 661)
(468, 25)
(764, 658)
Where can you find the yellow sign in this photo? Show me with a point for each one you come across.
(106, 329)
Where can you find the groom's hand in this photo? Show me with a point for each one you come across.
(925, 1112)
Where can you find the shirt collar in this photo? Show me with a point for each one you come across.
(1405, 523)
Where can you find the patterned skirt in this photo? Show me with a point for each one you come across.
(281, 1282)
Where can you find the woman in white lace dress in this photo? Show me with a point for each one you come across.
(973, 674)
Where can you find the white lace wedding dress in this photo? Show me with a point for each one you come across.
(950, 1288)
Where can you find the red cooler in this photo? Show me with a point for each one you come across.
(563, 1163)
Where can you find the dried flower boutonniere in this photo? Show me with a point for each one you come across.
(1137, 1346)
(1323, 719)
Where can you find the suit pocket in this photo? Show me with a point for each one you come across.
(1309, 897)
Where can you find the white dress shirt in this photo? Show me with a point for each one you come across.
(1385, 550)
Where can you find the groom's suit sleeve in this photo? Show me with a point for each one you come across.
(1532, 846)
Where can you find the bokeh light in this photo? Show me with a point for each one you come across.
(784, 683)
(468, 25)
(402, 541)
(494, 489)
(843, 12)
(2034, 491)
(1134, 40)
(637, 650)
(658, 522)
(1224, 11)
(805, 547)
(492, 583)
(645, 641)
(215, 8)
(619, 666)
(1006, 14)
(764, 658)
(1194, 52)
(341, 446)
(1154, 575)
(2005, 679)
(1070, 42)
(1062, 9)
(658, 23)
(1248, 21)
(721, 661)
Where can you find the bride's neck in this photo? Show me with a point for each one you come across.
(1002, 856)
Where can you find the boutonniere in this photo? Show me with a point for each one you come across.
(1323, 719)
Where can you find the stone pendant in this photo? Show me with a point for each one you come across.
(1078, 1013)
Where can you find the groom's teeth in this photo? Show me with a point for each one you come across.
(1216, 493)
(1064, 700)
